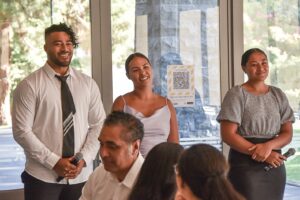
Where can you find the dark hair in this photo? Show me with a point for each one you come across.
(62, 27)
(133, 127)
(130, 58)
(203, 169)
(248, 53)
(156, 180)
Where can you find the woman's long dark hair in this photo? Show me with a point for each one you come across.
(203, 169)
(156, 180)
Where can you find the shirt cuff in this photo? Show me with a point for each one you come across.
(51, 161)
(87, 158)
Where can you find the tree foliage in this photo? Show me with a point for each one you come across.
(122, 18)
(274, 27)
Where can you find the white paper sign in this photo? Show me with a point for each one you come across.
(181, 85)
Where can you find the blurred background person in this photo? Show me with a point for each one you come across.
(202, 175)
(256, 122)
(156, 180)
(192, 121)
(156, 112)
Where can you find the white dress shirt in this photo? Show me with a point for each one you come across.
(105, 186)
(37, 121)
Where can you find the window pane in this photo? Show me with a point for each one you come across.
(76, 14)
(22, 25)
(175, 33)
(122, 28)
(277, 33)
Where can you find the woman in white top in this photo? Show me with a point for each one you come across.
(156, 112)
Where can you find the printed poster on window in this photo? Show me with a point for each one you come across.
(181, 85)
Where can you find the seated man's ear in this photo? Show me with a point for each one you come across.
(136, 147)
(127, 76)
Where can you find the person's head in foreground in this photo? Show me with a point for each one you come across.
(201, 174)
(156, 180)
(120, 140)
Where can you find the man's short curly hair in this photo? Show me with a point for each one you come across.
(62, 27)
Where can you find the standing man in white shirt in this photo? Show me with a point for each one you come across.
(120, 140)
(57, 114)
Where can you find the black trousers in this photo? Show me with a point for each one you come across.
(35, 189)
(250, 179)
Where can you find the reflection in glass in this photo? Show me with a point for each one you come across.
(173, 33)
(178, 34)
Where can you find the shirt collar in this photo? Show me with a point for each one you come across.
(132, 174)
(51, 73)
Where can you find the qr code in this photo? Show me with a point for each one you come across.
(181, 80)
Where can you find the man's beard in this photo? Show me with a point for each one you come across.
(62, 64)
(57, 62)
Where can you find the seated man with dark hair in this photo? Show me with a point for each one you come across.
(120, 140)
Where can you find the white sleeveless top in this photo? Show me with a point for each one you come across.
(156, 126)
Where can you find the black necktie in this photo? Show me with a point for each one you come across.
(68, 110)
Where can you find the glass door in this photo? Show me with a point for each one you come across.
(181, 39)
